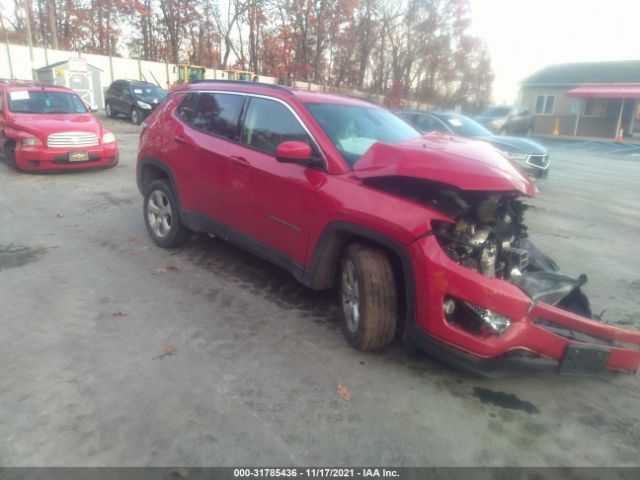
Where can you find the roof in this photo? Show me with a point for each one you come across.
(22, 84)
(627, 71)
(605, 91)
(304, 96)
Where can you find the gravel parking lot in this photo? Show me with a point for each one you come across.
(116, 352)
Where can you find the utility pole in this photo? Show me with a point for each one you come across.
(27, 11)
(6, 44)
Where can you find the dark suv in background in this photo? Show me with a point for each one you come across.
(507, 120)
(133, 98)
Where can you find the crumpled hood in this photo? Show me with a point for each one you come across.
(463, 163)
(49, 123)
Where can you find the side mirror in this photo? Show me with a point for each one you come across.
(294, 152)
(93, 109)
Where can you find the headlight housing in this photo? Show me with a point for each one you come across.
(108, 138)
(474, 318)
(30, 141)
(143, 105)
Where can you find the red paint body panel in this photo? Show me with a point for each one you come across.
(441, 277)
(463, 163)
(287, 208)
(16, 127)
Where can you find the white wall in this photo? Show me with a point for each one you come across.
(112, 67)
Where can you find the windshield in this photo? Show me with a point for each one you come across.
(464, 126)
(354, 128)
(496, 112)
(148, 91)
(43, 101)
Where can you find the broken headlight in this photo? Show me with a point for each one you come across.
(474, 318)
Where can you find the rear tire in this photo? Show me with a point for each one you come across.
(368, 297)
(161, 216)
(109, 110)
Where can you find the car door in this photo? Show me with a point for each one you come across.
(209, 123)
(273, 202)
(115, 96)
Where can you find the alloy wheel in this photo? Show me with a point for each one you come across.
(350, 295)
(159, 213)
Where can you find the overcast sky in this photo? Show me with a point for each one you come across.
(525, 35)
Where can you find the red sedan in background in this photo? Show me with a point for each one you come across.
(47, 127)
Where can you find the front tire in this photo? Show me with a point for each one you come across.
(368, 297)
(136, 116)
(161, 216)
(109, 110)
(10, 156)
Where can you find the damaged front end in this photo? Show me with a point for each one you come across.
(488, 236)
(490, 294)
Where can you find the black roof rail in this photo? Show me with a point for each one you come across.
(243, 82)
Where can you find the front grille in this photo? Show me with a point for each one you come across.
(72, 140)
(538, 160)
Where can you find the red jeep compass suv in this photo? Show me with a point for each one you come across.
(422, 235)
(46, 127)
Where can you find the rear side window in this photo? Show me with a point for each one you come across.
(426, 123)
(212, 113)
(269, 123)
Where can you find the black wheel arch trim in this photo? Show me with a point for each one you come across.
(153, 162)
(335, 236)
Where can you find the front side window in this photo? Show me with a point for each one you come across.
(43, 101)
(269, 123)
(354, 128)
(212, 113)
(426, 123)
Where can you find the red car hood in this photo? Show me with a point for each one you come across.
(463, 163)
(48, 123)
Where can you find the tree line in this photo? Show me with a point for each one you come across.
(417, 50)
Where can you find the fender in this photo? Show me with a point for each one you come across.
(160, 166)
(324, 262)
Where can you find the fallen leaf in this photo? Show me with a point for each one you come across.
(343, 392)
(132, 238)
(60, 215)
(179, 472)
(119, 314)
(168, 268)
(169, 349)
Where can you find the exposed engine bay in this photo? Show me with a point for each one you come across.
(489, 237)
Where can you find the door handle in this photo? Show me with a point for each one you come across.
(178, 139)
(239, 162)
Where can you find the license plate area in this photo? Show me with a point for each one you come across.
(584, 360)
(82, 156)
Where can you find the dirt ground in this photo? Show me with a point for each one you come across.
(119, 353)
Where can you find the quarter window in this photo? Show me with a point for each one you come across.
(212, 113)
(269, 123)
(545, 104)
